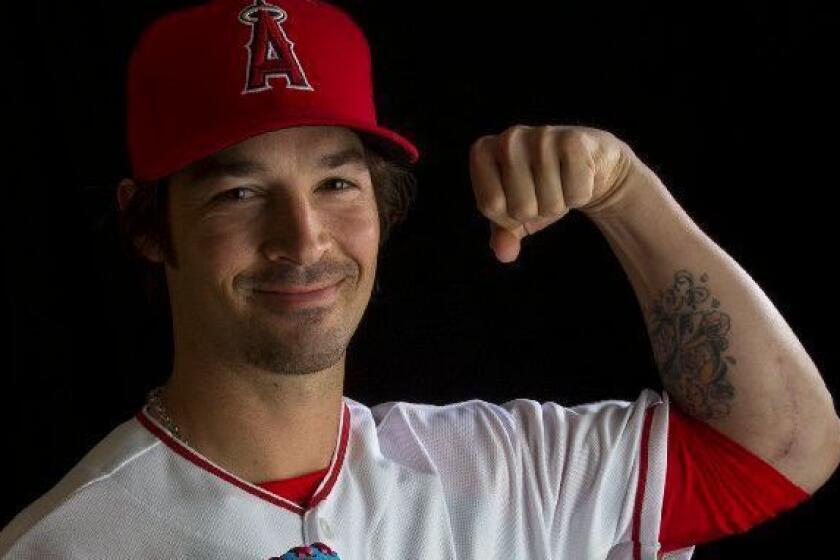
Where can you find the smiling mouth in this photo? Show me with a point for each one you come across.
(296, 290)
(301, 296)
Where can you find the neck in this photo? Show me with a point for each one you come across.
(256, 424)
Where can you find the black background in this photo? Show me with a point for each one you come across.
(727, 102)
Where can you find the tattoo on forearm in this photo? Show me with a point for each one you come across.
(688, 336)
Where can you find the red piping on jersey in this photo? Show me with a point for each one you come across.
(640, 489)
(192, 456)
(332, 476)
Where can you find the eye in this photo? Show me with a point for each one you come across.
(233, 194)
(239, 194)
(349, 185)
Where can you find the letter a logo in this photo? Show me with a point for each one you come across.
(270, 52)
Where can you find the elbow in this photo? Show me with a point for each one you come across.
(812, 464)
(812, 454)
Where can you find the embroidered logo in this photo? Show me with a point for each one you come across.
(270, 52)
(317, 550)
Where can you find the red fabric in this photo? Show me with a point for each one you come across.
(205, 77)
(715, 487)
(299, 489)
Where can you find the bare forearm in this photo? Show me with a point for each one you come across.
(725, 354)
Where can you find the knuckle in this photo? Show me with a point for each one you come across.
(478, 146)
(545, 142)
(545, 131)
(573, 139)
(507, 142)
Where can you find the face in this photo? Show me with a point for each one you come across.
(288, 209)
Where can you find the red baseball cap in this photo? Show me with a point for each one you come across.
(204, 78)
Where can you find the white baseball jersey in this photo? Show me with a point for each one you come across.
(468, 480)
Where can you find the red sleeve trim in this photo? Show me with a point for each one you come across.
(714, 487)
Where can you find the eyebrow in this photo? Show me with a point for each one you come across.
(216, 166)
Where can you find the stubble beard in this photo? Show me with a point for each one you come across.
(306, 342)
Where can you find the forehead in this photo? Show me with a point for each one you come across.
(313, 147)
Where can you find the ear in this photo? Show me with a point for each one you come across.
(126, 189)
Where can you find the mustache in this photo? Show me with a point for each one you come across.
(288, 277)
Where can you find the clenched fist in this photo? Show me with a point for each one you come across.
(528, 177)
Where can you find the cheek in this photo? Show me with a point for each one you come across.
(215, 251)
(358, 232)
(355, 237)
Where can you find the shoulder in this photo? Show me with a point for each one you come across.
(401, 418)
(512, 409)
(118, 452)
(479, 427)
(508, 416)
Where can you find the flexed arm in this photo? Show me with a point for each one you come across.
(725, 354)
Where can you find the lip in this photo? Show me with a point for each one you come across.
(321, 296)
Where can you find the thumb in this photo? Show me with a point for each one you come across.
(506, 244)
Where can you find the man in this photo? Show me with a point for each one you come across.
(255, 120)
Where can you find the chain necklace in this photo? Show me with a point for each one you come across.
(156, 406)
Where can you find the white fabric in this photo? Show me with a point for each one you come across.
(468, 480)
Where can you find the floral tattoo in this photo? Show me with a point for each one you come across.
(688, 336)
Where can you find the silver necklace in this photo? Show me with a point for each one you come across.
(156, 406)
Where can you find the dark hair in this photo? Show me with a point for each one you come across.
(145, 219)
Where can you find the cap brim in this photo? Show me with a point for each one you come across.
(389, 144)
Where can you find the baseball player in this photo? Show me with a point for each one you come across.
(254, 142)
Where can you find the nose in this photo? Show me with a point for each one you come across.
(295, 231)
